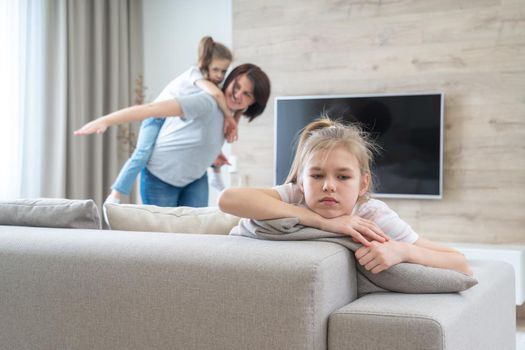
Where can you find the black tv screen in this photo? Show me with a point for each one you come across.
(407, 127)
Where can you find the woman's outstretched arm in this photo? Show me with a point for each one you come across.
(159, 109)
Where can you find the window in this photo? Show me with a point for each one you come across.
(10, 64)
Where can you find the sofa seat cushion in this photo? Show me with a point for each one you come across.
(481, 318)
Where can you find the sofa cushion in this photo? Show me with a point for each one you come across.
(481, 318)
(130, 217)
(50, 212)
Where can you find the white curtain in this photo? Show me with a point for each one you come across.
(33, 87)
(11, 13)
(67, 62)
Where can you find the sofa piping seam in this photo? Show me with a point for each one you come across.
(393, 314)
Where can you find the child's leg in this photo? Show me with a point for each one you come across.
(149, 130)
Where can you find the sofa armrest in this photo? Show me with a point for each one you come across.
(481, 318)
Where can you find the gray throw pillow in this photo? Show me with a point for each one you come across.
(50, 212)
(403, 277)
(413, 278)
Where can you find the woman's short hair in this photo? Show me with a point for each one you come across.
(261, 87)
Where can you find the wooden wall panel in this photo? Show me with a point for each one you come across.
(472, 50)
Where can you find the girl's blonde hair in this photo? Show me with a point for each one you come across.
(325, 134)
(210, 50)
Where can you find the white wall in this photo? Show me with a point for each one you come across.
(172, 31)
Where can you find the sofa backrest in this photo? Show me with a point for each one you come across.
(80, 289)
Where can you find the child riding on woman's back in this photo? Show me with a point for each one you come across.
(214, 60)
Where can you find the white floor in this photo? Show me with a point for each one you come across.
(520, 340)
(520, 333)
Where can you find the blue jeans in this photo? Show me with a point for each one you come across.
(157, 192)
(149, 130)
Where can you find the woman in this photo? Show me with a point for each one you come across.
(188, 143)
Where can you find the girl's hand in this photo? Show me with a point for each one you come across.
(97, 126)
(381, 256)
(230, 129)
(361, 230)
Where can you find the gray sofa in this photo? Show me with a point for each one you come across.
(103, 289)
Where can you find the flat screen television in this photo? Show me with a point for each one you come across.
(407, 126)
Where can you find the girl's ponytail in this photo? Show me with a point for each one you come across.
(208, 50)
(205, 52)
(323, 122)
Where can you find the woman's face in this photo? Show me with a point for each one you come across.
(217, 69)
(239, 93)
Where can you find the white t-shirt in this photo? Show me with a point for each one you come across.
(182, 85)
(373, 210)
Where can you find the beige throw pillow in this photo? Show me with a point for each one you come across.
(130, 217)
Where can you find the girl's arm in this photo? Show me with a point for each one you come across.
(266, 204)
(230, 127)
(237, 115)
(217, 94)
(430, 253)
(381, 256)
(159, 109)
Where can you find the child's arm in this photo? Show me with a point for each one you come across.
(159, 109)
(217, 94)
(266, 204)
(237, 115)
(230, 127)
(381, 256)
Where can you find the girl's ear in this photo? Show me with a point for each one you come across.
(300, 183)
(365, 182)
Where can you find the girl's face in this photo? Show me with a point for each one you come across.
(217, 69)
(331, 182)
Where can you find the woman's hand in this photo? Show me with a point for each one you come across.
(361, 230)
(97, 126)
(221, 160)
(381, 256)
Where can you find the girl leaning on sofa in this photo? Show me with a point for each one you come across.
(329, 188)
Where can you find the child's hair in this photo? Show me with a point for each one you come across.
(261, 87)
(210, 50)
(326, 134)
